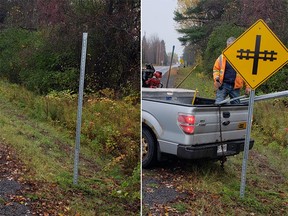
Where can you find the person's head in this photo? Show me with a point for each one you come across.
(230, 40)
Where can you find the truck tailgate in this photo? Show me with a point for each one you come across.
(209, 121)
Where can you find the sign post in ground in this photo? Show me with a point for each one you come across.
(80, 103)
(256, 55)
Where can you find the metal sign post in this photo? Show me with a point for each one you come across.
(79, 112)
(247, 142)
(170, 67)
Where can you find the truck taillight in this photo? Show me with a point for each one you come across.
(186, 123)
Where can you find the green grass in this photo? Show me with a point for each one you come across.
(43, 137)
(2, 201)
(196, 80)
(180, 207)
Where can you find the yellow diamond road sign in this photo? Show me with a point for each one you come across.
(257, 54)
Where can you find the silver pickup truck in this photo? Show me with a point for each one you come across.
(177, 122)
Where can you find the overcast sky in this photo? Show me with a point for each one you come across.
(157, 18)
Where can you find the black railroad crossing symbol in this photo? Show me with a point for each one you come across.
(256, 55)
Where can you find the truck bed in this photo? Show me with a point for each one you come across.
(176, 96)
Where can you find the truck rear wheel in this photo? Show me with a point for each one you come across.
(148, 148)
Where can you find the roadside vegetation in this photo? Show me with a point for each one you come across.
(210, 190)
(41, 41)
(42, 131)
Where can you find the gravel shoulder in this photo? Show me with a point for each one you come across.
(12, 201)
(161, 188)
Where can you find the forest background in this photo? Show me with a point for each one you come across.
(41, 44)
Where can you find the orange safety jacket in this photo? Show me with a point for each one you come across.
(219, 71)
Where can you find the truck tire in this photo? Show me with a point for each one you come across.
(149, 152)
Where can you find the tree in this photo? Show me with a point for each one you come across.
(52, 11)
(274, 13)
(174, 60)
(207, 24)
(117, 63)
(145, 48)
(217, 43)
(113, 43)
(199, 20)
(183, 5)
(190, 55)
(154, 50)
(3, 14)
(21, 13)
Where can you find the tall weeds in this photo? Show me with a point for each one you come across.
(110, 127)
(271, 118)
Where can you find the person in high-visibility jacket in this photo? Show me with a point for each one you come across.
(226, 80)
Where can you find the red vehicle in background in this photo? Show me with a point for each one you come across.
(151, 78)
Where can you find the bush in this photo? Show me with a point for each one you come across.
(112, 126)
(13, 42)
(109, 127)
(27, 59)
(43, 81)
(271, 118)
(217, 43)
(278, 82)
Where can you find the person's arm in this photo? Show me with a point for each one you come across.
(216, 73)
(247, 89)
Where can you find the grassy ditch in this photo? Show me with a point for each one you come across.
(42, 130)
(213, 191)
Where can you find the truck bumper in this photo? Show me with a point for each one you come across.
(210, 150)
